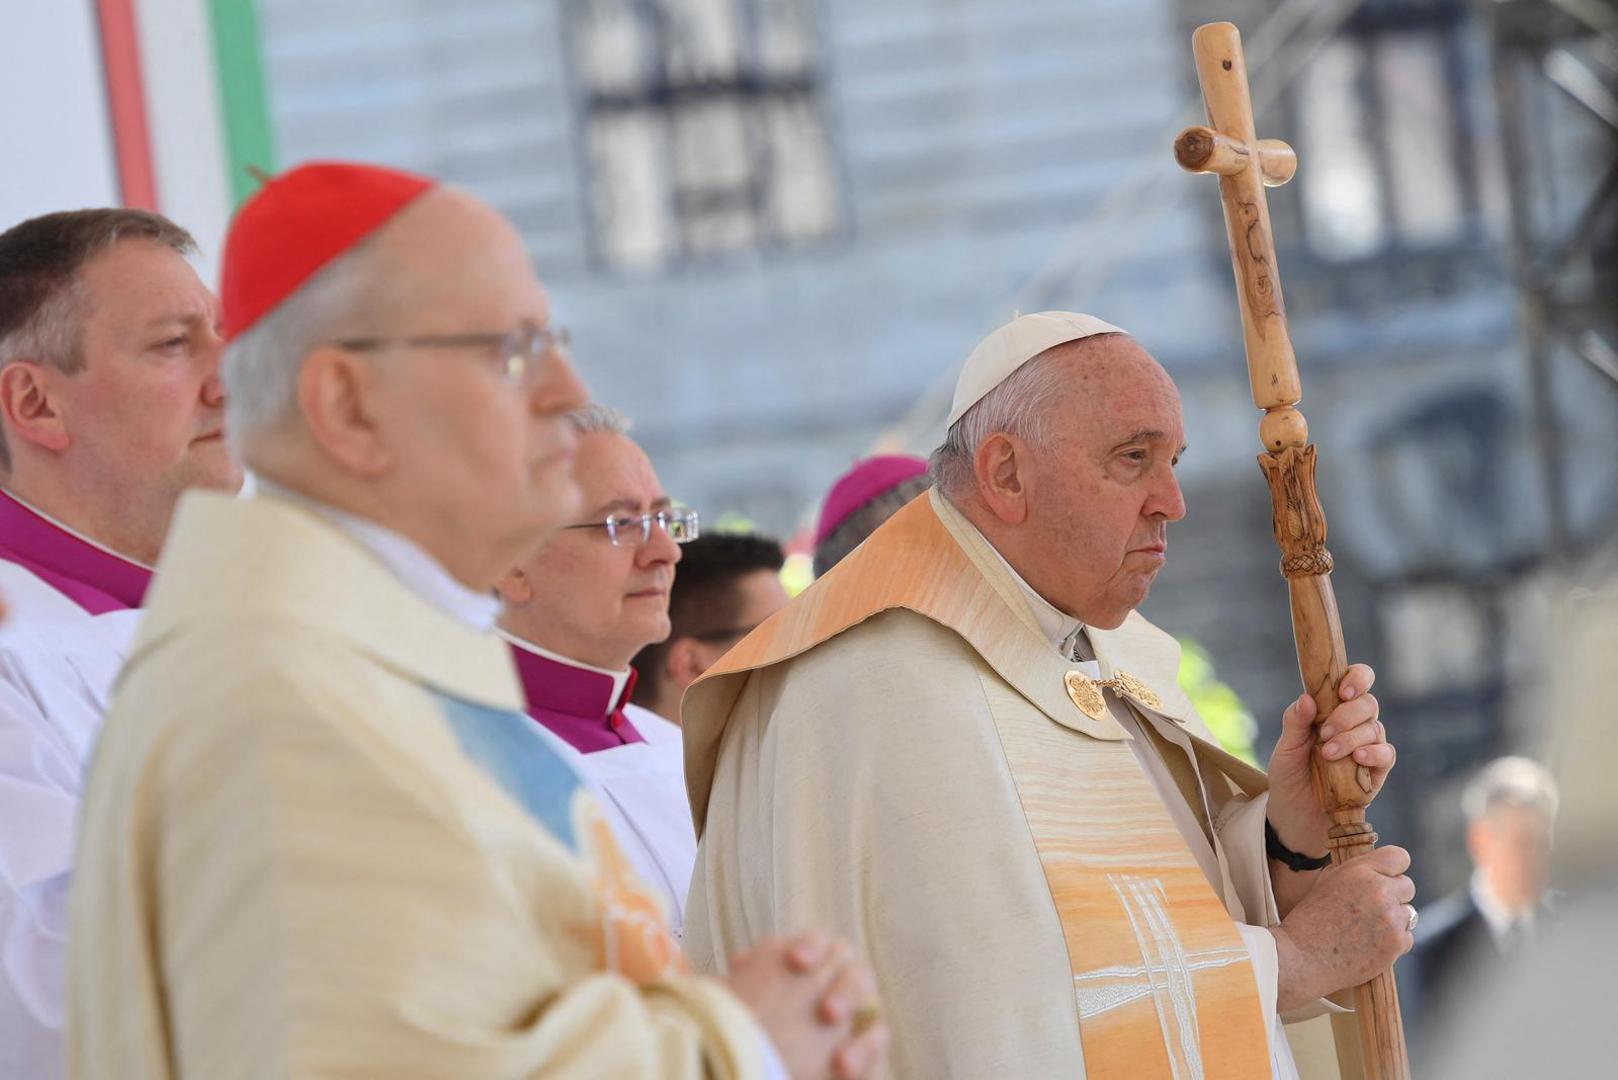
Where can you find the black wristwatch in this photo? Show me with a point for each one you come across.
(1289, 858)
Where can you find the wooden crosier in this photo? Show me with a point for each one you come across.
(1228, 148)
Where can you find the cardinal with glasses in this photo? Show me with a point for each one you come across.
(576, 613)
(320, 836)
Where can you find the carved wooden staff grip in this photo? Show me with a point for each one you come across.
(1228, 148)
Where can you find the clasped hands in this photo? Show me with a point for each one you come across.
(816, 1002)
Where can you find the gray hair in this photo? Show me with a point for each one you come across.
(260, 368)
(1510, 781)
(52, 332)
(854, 529)
(594, 417)
(1015, 407)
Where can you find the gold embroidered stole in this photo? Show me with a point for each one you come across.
(1163, 984)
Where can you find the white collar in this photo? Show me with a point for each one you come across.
(1500, 918)
(1060, 629)
(619, 678)
(418, 571)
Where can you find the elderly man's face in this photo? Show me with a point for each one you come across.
(582, 596)
(485, 462)
(1104, 491)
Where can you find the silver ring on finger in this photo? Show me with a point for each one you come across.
(1410, 923)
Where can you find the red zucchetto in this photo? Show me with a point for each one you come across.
(297, 223)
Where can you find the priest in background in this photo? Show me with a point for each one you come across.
(110, 407)
(728, 583)
(576, 612)
(966, 750)
(320, 837)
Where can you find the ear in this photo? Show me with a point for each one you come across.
(337, 394)
(1001, 468)
(32, 409)
(687, 660)
(515, 587)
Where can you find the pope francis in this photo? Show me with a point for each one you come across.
(964, 749)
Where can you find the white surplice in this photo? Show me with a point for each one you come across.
(57, 667)
(641, 786)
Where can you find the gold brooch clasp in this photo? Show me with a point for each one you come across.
(1086, 692)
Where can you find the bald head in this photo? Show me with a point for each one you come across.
(1068, 468)
(365, 292)
(383, 385)
(449, 251)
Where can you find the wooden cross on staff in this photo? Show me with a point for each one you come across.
(1230, 148)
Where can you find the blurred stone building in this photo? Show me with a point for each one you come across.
(775, 227)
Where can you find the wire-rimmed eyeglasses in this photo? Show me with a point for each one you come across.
(632, 530)
(522, 350)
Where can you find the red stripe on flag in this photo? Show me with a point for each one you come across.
(126, 101)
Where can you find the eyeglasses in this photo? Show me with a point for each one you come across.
(523, 351)
(634, 530)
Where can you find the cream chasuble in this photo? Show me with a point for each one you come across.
(1167, 755)
(321, 838)
(897, 755)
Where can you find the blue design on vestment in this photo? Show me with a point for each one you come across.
(508, 747)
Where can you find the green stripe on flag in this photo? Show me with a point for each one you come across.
(249, 141)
